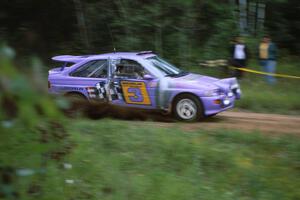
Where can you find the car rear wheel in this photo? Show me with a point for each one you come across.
(78, 104)
(187, 107)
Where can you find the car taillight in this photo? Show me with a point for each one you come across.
(49, 85)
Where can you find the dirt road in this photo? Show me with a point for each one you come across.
(246, 121)
(232, 120)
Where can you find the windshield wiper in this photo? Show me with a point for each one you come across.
(183, 73)
(171, 75)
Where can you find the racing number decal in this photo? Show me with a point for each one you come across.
(135, 93)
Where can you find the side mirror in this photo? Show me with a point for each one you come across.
(148, 77)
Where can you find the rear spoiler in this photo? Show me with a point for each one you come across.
(69, 59)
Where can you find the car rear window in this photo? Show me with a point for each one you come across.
(90, 69)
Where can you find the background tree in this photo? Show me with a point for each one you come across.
(183, 31)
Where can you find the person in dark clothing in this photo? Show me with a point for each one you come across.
(239, 55)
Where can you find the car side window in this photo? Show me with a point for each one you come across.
(130, 69)
(93, 69)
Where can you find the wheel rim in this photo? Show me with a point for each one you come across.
(186, 109)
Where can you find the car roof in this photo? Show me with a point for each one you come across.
(132, 55)
(113, 55)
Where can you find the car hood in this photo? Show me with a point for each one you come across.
(196, 81)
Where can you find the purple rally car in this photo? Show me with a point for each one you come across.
(142, 80)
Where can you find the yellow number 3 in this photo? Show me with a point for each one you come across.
(135, 93)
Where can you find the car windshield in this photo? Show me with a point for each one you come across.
(166, 68)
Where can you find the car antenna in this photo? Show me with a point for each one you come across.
(112, 38)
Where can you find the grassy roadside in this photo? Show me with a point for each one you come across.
(117, 160)
(284, 98)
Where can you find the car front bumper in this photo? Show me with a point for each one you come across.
(216, 104)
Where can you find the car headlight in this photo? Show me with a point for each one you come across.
(234, 86)
(211, 93)
(230, 94)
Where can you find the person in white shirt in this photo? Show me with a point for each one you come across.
(239, 56)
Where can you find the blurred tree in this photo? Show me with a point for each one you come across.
(33, 26)
(81, 23)
(283, 24)
(179, 30)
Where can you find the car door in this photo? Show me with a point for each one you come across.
(137, 87)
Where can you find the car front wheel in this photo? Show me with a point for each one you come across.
(187, 107)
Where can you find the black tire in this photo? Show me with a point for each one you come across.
(196, 105)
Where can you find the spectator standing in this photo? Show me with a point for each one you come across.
(267, 58)
(239, 56)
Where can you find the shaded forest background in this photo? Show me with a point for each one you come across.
(181, 31)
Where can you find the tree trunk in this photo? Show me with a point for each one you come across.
(123, 11)
(81, 23)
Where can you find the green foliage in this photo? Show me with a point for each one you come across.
(179, 30)
(283, 24)
(283, 97)
(261, 97)
(118, 160)
(32, 135)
